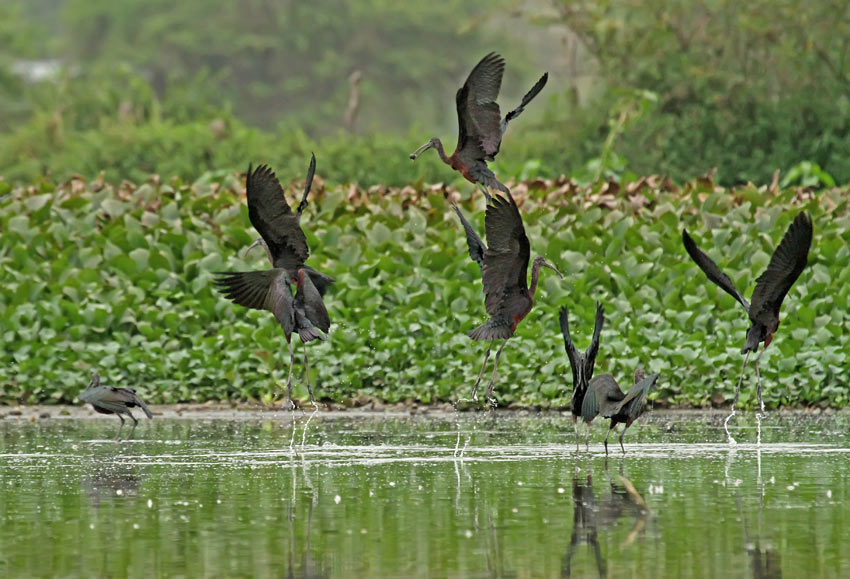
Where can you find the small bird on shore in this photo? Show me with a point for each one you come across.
(114, 400)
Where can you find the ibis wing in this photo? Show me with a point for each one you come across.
(479, 118)
(261, 290)
(593, 349)
(309, 300)
(572, 353)
(311, 171)
(712, 272)
(632, 404)
(476, 246)
(529, 96)
(506, 258)
(602, 396)
(273, 219)
(787, 263)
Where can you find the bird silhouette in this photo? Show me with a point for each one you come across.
(480, 124)
(286, 247)
(504, 269)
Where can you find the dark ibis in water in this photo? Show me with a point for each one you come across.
(286, 247)
(604, 398)
(787, 263)
(480, 124)
(114, 400)
(581, 363)
(504, 269)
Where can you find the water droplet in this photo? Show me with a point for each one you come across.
(789, 488)
(468, 534)
(514, 510)
(91, 526)
(363, 531)
(150, 504)
(218, 501)
(519, 483)
(136, 526)
(337, 499)
(561, 490)
(829, 493)
(392, 484)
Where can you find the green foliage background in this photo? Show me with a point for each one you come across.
(677, 88)
(118, 278)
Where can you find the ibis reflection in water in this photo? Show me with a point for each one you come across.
(786, 264)
(114, 400)
(504, 266)
(592, 515)
(480, 124)
(286, 248)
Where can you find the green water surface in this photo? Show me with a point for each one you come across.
(468, 495)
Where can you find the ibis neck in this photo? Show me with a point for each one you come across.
(535, 275)
(438, 144)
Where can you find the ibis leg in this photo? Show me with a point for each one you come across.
(575, 427)
(307, 376)
(289, 380)
(486, 193)
(120, 428)
(735, 400)
(758, 382)
(492, 384)
(135, 423)
(621, 439)
(610, 428)
(481, 373)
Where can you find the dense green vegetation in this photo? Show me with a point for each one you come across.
(117, 277)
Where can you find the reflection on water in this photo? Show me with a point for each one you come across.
(460, 496)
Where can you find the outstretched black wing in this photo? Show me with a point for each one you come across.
(505, 268)
(787, 263)
(572, 353)
(476, 246)
(261, 290)
(273, 219)
(593, 349)
(711, 270)
(311, 171)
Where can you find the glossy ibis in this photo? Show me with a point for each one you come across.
(581, 364)
(114, 400)
(286, 247)
(480, 125)
(604, 398)
(504, 267)
(787, 263)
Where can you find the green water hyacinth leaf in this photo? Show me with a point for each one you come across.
(126, 285)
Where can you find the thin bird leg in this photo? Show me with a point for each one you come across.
(120, 428)
(481, 373)
(135, 423)
(289, 380)
(621, 439)
(307, 378)
(758, 382)
(575, 427)
(610, 428)
(587, 437)
(492, 384)
(735, 400)
(486, 193)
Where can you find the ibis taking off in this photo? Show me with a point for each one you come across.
(286, 247)
(504, 269)
(787, 263)
(480, 124)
